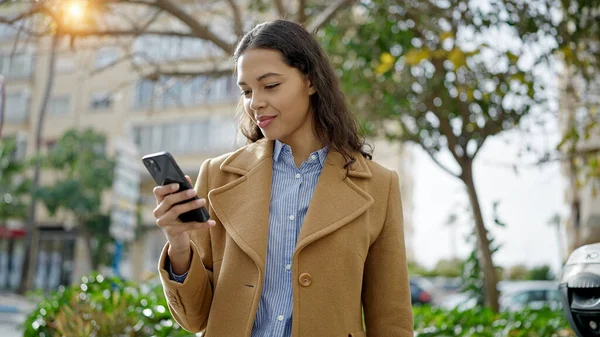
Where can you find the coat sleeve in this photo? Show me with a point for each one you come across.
(386, 290)
(189, 302)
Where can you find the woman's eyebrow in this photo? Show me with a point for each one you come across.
(262, 77)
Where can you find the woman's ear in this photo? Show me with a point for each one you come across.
(311, 87)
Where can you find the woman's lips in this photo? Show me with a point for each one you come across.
(264, 122)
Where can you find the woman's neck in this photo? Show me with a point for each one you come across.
(302, 147)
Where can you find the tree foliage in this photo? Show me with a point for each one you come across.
(541, 273)
(449, 75)
(575, 26)
(14, 187)
(82, 170)
(517, 272)
(429, 72)
(82, 173)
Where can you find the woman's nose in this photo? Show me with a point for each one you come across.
(257, 102)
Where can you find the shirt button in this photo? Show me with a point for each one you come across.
(292, 217)
(288, 266)
(297, 175)
(280, 318)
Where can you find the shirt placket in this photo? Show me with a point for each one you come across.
(291, 233)
(289, 242)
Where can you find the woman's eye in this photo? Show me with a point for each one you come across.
(271, 86)
(246, 92)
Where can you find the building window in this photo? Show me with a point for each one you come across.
(201, 136)
(222, 133)
(172, 94)
(21, 147)
(176, 92)
(59, 105)
(150, 49)
(7, 32)
(51, 144)
(101, 101)
(105, 57)
(64, 64)
(17, 107)
(16, 66)
(144, 91)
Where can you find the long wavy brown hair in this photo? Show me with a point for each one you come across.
(334, 124)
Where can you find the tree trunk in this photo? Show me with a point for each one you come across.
(572, 168)
(485, 254)
(31, 230)
(92, 253)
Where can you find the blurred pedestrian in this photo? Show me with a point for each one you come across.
(305, 229)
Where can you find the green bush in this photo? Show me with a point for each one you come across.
(103, 307)
(109, 307)
(480, 322)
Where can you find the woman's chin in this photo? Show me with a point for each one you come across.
(270, 135)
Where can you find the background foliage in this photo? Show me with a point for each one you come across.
(109, 307)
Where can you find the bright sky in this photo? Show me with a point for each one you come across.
(527, 201)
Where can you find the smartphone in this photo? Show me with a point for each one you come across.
(164, 169)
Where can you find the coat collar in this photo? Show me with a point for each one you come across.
(242, 205)
(246, 158)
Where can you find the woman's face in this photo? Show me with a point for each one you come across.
(276, 96)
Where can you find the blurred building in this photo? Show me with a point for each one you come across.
(578, 101)
(191, 117)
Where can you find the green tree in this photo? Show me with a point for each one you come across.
(414, 268)
(425, 72)
(14, 187)
(517, 272)
(83, 173)
(448, 268)
(541, 273)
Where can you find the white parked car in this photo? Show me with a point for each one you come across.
(516, 296)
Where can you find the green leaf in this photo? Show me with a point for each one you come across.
(512, 58)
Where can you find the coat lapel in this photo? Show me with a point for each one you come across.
(242, 205)
(336, 201)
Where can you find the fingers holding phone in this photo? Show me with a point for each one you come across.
(162, 191)
(166, 172)
(179, 209)
(172, 204)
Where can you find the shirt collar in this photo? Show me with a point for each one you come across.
(282, 147)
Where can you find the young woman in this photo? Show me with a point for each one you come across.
(306, 230)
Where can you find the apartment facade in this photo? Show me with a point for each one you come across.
(191, 117)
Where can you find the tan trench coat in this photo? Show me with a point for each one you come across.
(350, 252)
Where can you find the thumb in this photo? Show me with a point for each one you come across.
(189, 180)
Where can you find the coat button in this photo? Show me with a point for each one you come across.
(305, 279)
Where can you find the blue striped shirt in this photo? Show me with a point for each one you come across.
(291, 191)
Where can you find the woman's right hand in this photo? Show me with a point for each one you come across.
(167, 218)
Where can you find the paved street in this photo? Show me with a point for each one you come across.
(9, 325)
(13, 310)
